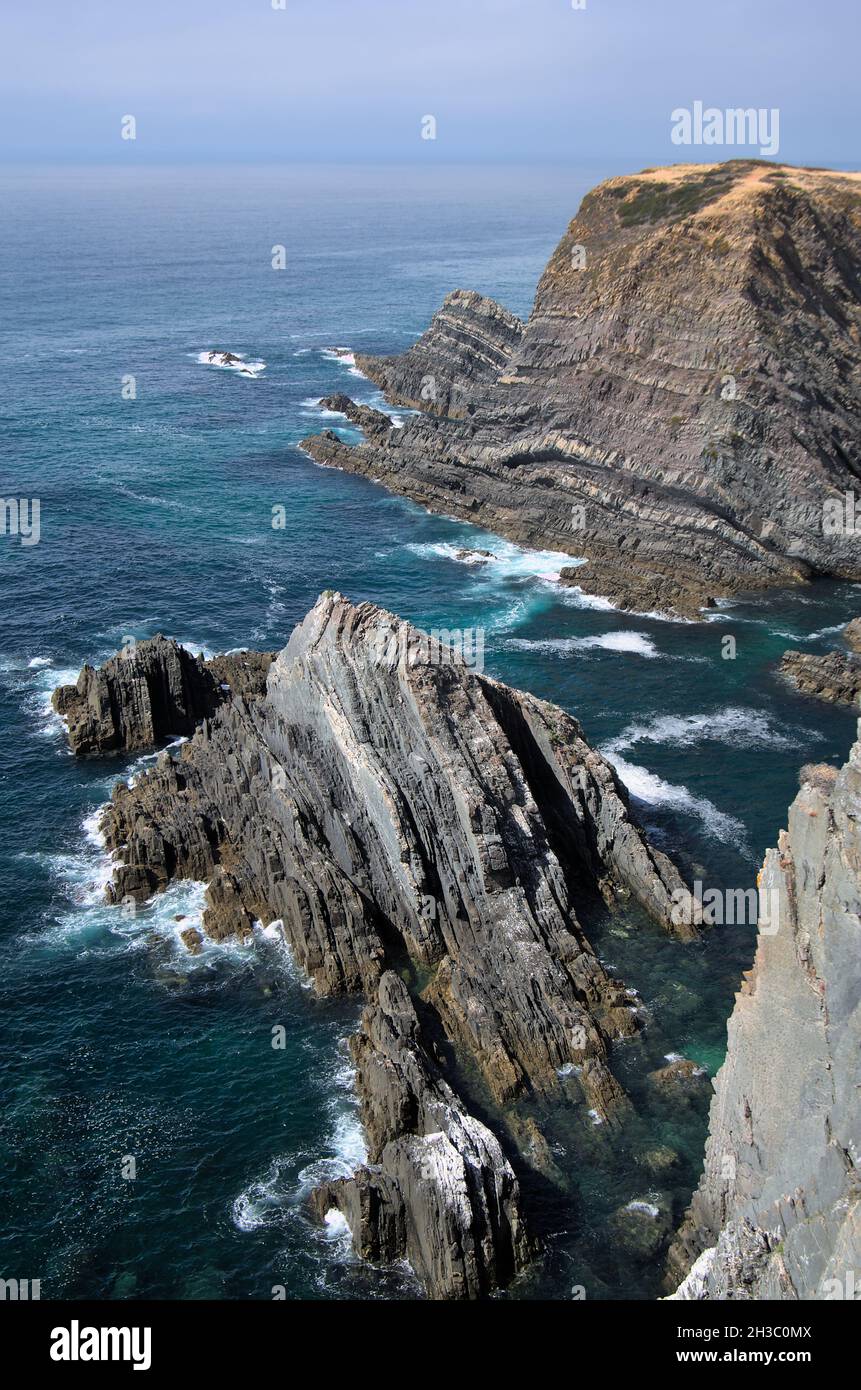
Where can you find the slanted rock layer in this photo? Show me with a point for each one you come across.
(834, 676)
(384, 803)
(680, 406)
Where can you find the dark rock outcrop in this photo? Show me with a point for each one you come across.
(437, 1190)
(833, 676)
(682, 404)
(374, 423)
(153, 690)
(778, 1211)
(384, 801)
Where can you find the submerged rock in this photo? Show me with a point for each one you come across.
(660, 1160)
(679, 407)
(642, 1227)
(680, 1080)
(778, 1211)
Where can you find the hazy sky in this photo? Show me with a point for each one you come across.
(351, 79)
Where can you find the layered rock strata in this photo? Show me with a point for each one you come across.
(681, 406)
(778, 1211)
(437, 1190)
(470, 340)
(385, 803)
(833, 676)
(151, 691)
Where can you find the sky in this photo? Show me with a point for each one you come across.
(353, 80)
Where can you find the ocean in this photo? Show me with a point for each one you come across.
(157, 476)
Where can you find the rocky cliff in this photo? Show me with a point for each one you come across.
(394, 810)
(682, 403)
(778, 1211)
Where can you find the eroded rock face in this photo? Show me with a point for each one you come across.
(470, 341)
(681, 404)
(778, 1211)
(437, 1189)
(383, 790)
(834, 676)
(154, 690)
(383, 799)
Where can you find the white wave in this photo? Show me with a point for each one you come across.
(335, 1224)
(734, 725)
(196, 648)
(169, 502)
(576, 598)
(37, 661)
(231, 362)
(506, 560)
(823, 632)
(345, 357)
(636, 642)
(37, 701)
(649, 787)
(644, 1208)
(282, 1188)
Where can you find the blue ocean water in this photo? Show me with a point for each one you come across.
(156, 515)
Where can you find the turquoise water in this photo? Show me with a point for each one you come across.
(156, 516)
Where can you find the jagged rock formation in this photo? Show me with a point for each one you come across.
(437, 1189)
(682, 403)
(384, 801)
(470, 341)
(372, 422)
(834, 676)
(153, 690)
(778, 1211)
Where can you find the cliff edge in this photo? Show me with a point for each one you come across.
(681, 406)
(778, 1211)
